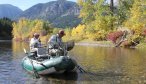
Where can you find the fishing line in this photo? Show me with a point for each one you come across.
(87, 74)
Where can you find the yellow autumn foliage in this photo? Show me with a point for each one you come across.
(79, 32)
(67, 37)
(24, 28)
(98, 35)
(137, 19)
(38, 27)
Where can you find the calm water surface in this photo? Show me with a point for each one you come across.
(104, 65)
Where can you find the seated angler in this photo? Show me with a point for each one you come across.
(35, 43)
(55, 44)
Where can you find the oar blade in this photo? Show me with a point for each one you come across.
(24, 50)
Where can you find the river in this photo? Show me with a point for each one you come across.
(104, 65)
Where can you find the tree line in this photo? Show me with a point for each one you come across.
(99, 19)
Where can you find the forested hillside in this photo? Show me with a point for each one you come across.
(60, 13)
(5, 28)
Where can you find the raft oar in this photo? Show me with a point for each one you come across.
(81, 69)
(42, 65)
(87, 74)
(34, 70)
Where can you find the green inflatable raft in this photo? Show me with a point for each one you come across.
(48, 65)
(42, 63)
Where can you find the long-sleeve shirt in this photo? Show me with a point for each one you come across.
(55, 42)
(34, 43)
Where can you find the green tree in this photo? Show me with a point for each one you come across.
(87, 11)
(137, 19)
(5, 27)
(123, 10)
(97, 17)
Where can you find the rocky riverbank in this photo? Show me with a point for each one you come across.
(105, 44)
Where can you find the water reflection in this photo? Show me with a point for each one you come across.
(104, 65)
(5, 45)
(127, 64)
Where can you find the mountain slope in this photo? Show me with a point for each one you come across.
(60, 13)
(9, 11)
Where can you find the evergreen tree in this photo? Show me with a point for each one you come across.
(5, 27)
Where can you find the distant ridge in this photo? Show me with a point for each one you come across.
(9, 11)
(60, 13)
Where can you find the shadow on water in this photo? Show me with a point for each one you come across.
(64, 76)
(5, 43)
(76, 77)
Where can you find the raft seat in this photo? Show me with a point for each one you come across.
(39, 55)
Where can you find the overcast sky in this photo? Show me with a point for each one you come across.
(25, 4)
